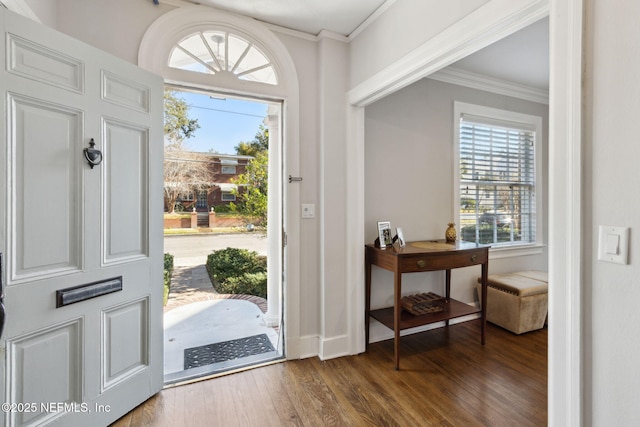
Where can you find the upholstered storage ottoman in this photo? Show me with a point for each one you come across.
(517, 301)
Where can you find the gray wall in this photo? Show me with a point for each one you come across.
(611, 316)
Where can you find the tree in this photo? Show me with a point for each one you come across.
(184, 171)
(259, 143)
(252, 189)
(177, 124)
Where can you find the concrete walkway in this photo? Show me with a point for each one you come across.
(191, 284)
(196, 315)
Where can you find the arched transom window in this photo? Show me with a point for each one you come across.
(215, 52)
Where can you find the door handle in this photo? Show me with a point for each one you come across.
(2, 310)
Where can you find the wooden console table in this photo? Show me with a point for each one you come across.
(419, 257)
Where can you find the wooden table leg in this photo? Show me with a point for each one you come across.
(397, 309)
(485, 273)
(447, 290)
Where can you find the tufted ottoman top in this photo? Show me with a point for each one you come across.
(522, 283)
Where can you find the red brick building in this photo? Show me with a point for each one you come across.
(224, 168)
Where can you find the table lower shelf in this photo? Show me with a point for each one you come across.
(452, 310)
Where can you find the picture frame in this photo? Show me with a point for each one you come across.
(400, 237)
(384, 233)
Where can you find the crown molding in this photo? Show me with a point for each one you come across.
(371, 18)
(472, 80)
(273, 27)
(177, 3)
(325, 34)
(288, 31)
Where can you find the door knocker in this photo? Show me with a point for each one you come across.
(93, 155)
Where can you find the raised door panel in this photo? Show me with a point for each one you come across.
(125, 341)
(37, 62)
(126, 194)
(46, 216)
(57, 351)
(124, 92)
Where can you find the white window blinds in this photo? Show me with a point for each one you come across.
(497, 181)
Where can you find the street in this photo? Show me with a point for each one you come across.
(193, 250)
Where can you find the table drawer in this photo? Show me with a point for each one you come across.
(413, 263)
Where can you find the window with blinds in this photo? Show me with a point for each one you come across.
(497, 180)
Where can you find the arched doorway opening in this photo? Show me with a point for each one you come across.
(200, 49)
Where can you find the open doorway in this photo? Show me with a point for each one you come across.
(222, 234)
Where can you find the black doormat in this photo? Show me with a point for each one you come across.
(226, 350)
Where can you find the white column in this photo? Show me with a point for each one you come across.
(274, 226)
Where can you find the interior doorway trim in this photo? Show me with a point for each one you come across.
(489, 23)
(486, 25)
(162, 35)
(566, 361)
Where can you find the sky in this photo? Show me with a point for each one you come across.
(223, 122)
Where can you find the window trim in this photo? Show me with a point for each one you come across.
(222, 169)
(493, 115)
(233, 197)
(190, 197)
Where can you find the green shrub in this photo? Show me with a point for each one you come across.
(238, 271)
(246, 284)
(168, 269)
(222, 209)
(230, 262)
(168, 262)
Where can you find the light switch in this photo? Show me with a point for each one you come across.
(308, 211)
(613, 244)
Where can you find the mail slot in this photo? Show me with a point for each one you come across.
(90, 290)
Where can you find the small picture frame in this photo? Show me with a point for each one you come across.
(400, 237)
(384, 233)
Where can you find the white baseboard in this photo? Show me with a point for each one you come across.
(330, 348)
(303, 347)
(334, 347)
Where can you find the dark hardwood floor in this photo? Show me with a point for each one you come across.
(446, 378)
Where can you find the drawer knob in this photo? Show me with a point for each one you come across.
(421, 263)
(474, 258)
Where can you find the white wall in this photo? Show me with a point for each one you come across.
(45, 11)
(304, 53)
(115, 26)
(612, 150)
(409, 178)
(332, 87)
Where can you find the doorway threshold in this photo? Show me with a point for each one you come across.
(221, 368)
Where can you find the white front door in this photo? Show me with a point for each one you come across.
(82, 245)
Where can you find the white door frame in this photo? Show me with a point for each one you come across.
(153, 54)
(491, 22)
